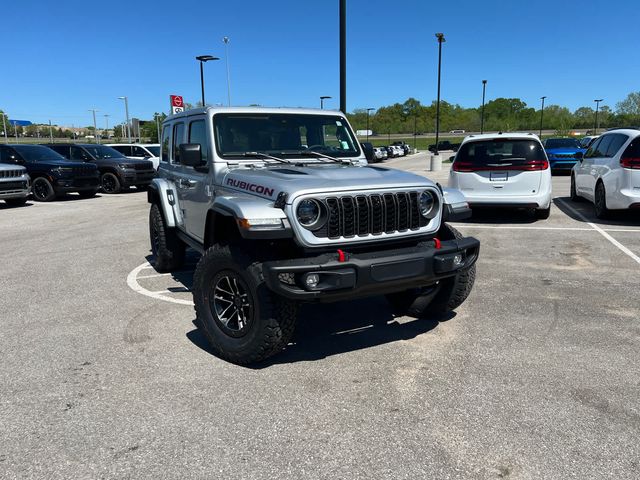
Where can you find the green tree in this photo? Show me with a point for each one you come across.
(630, 105)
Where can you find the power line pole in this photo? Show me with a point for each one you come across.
(95, 126)
(226, 58)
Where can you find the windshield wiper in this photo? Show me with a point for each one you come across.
(263, 155)
(321, 155)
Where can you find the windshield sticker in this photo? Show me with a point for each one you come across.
(338, 123)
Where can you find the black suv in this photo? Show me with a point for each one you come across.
(51, 174)
(116, 170)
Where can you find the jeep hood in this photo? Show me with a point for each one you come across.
(268, 182)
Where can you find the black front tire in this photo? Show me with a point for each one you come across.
(110, 183)
(268, 321)
(446, 296)
(42, 190)
(16, 202)
(168, 250)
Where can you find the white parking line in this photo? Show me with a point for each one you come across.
(517, 227)
(132, 281)
(154, 276)
(624, 249)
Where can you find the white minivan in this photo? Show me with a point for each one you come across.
(503, 170)
(609, 173)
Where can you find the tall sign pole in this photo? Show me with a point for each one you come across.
(343, 56)
(4, 128)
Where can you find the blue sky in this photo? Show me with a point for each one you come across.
(60, 61)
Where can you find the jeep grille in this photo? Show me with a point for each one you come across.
(11, 173)
(372, 214)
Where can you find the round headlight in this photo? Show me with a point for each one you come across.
(427, 203)
(308, 213)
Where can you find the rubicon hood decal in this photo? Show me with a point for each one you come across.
(250, 187)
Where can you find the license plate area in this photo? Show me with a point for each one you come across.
(499, 176)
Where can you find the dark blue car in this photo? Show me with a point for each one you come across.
(563, 153)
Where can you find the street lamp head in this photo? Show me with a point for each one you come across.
(598, 100)
(542, 98)
(122, 98)
(440, 37)
(370, 109)
(206, 58)
(324, 97)
(484, 82)
(225, 39)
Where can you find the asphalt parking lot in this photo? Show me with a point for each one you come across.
(104, 374)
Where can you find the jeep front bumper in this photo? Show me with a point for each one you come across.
(340, 276)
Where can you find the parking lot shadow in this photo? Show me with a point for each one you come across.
(616, 217)
(325, 330)
(6, 206)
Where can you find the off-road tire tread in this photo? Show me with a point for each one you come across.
(171, 250)
(455, 290)
(279, 315)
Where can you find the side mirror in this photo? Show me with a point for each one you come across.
(579, 155)
(191, 154)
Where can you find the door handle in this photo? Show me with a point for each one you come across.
(187, 183)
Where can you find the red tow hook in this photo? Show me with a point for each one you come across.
(342, 257)
(437, 243)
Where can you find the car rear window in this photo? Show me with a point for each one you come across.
(561, 143)
(500, 151)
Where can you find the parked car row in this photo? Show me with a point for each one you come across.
(51, 170)
(379, 154)
(514, 170)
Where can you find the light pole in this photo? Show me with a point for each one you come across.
(126, 111)
(106, 120)
(368, 110)
(322, 99)
(596, 125)
(202, 59)
(415, 132)
(50, 132)
(156, 115)
(4, 128)
(484, 87)
(226, 59)
(95, 127)
(541, 115)
(343, 56)
(441, 40)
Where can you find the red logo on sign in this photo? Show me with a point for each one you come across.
(176, 101)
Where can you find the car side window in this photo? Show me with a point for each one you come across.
(198, 134)
(617, 141)
(124, 149)
(178, 135)
(61, 149)
(591, 152)
(166, 133)
(78, 153)
(138, 152)
(601, 148)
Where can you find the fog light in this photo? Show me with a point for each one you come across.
(312, 280)
(457, 260)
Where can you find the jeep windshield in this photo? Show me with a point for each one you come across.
(238, 135)
(37, 153)
(102, 151)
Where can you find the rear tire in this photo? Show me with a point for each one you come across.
(16, 202)
(543, 214)
(260, 324)
(42, 190)
(600, 201)
(573, 191)
(168, 250)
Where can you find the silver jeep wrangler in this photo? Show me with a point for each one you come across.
(284, 209)
(14, 184)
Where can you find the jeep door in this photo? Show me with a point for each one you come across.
(194, 191)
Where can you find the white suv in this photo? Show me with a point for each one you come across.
(146, 151)
(609, 173)
(503, 170)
